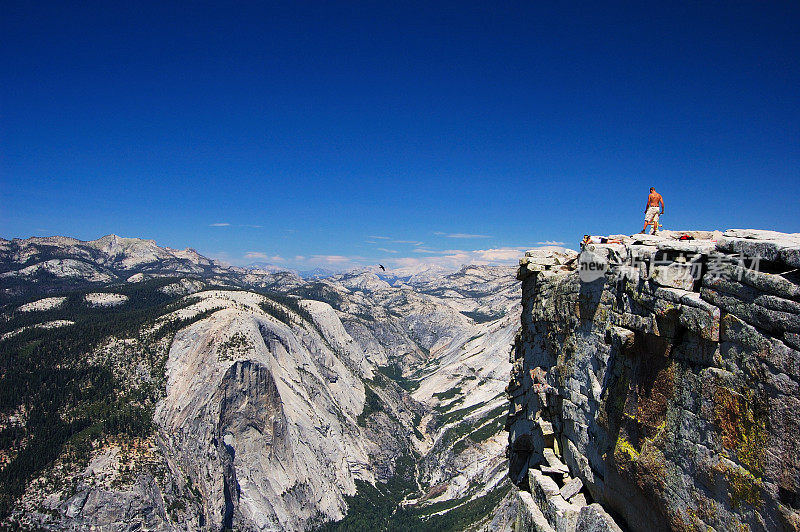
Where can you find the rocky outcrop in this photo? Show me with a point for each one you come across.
(271, 410)
(655, 385)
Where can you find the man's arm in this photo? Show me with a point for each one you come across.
(661, 201)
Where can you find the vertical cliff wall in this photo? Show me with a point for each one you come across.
(655, 385)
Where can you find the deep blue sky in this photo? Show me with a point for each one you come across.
(312, 128)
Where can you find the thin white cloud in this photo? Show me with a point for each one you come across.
(500, 254)
(551, 243)
(371, 240)
(226, 224)
(337, 260)
(439, 251)
(454, 258)
(460, 235)
(387, 250)
(257, 255)
(393, 240)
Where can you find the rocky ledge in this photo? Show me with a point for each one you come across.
(656, 384)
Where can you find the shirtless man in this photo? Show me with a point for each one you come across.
(651, 214)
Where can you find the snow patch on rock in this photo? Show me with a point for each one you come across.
(182, 287)
(56, 323)
(105, 299)
(47, 325)
(48, 303)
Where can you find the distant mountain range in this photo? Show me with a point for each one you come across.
(394, 276)
(195, 395)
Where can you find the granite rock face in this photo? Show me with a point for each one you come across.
(669, 385)
(239, 395)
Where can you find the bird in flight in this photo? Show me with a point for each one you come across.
(382, 268)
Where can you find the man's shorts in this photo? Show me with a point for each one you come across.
(652, 214)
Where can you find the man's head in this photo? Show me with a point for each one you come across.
(652, 189)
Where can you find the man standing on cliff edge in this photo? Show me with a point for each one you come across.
(651, 214)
